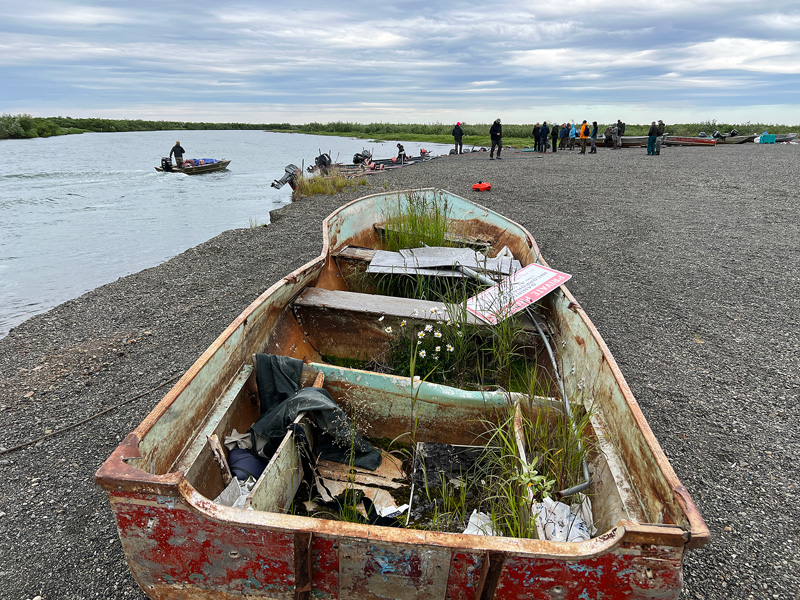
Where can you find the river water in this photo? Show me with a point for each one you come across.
(79, 211)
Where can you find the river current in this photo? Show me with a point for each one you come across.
(80, 211)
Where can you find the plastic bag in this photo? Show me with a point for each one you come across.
(559, 522)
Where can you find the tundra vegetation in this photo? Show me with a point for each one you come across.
(25, 126)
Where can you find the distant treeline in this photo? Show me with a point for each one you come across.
(25, 126)
(478, 133)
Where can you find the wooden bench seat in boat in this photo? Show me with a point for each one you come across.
(352, 324)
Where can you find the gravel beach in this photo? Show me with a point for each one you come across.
(687, 263)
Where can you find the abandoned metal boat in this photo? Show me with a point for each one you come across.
(166, 478)
(678, 140)
(194, 166)
(736, 139)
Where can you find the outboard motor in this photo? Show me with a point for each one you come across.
(717, 135)
(734, 132)
(166, 164)
(362, 157)
(290, 177)
(323, 162)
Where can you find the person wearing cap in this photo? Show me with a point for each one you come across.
(401, 154)
(660, 135)
(457, 134)
(496, 133)
(178, 152)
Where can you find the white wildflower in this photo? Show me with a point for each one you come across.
(437, 334)
(422, 353)
(421, 334)
(388, 330)
(438, 349)
(450, 348)
(403, 323)
(428, 327)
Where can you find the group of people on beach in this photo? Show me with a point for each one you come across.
(566, 136)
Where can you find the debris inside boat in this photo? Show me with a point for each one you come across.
(415, 435)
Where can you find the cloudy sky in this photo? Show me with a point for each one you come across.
(403, 61)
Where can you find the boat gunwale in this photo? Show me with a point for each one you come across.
(115, 474)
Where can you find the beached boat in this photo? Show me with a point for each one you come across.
(677, 140)
(194, 166)
(736, 139)
(634, 141)
(784, 137)
(166, 479)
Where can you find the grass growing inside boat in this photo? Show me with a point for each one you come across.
(333, 183)
(419, 221)
(550, 439)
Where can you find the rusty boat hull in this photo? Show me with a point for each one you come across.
(677, 140)
(180, 544)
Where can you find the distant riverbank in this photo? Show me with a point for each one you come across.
(517, 135)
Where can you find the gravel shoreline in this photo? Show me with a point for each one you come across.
(685, 262)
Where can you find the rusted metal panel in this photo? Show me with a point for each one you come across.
(372, 570)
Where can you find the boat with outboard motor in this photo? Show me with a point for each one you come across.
(193, 166)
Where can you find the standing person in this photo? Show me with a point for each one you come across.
(554, 137)
(660, 134)
(585, 132)
(458, 134)
(572, 135)
(178, 152)
(496, 133)
(620, 132)
(544, 130)
(594, 138)
(563, 135)
(536, 143)
(651, 139)
(617, 143)
(608, 137)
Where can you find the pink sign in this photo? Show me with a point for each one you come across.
(517, 292)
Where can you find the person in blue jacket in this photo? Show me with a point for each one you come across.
(572, 135)
(544, 131)
(563, 134)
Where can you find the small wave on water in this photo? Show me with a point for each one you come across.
(70, 221)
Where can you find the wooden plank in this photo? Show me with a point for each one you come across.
(277, 486)
(375, 304)
(356, 253)
(216, 421)
(464, 240)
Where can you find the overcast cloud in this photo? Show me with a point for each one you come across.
(409, 61)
